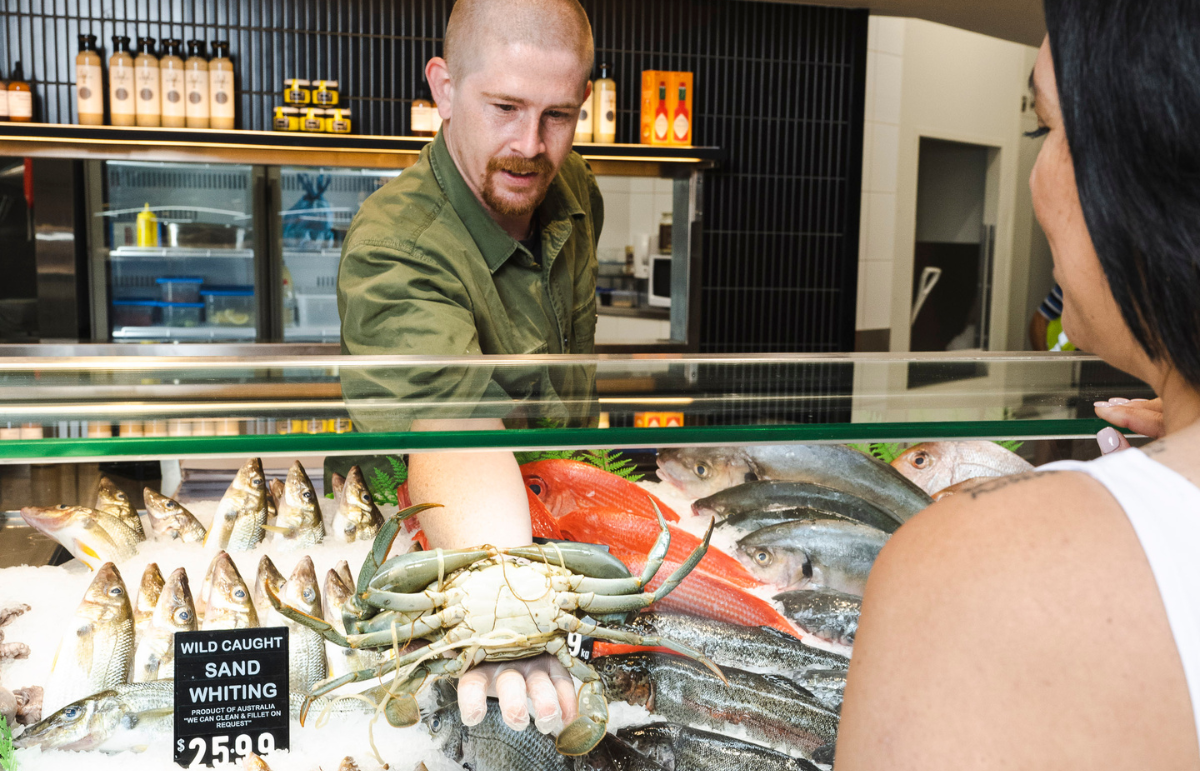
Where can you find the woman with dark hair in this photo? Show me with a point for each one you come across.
(1052, 620)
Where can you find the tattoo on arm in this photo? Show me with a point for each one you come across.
(999, 483)
(1154, 448)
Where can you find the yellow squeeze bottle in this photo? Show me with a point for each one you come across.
(147, 228)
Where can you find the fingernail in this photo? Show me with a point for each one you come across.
(473, 717)
(1139, 400)
(1101, 404)
(517, 722)
(551, 724)
(1118, 400)
(1109, 440)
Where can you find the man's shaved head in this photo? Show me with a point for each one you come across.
(541, 24)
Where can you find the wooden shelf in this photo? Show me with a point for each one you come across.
(51, 140)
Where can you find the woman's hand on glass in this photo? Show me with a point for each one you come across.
(1142, 416)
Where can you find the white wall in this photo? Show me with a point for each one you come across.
(927, 79)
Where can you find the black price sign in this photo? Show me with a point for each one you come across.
(231, 694)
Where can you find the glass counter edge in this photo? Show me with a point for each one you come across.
(22, 450)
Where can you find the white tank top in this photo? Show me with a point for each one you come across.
(1164, 509)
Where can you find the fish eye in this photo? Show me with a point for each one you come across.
(537, 486)
(762, 557)
(366, 496)
(701, 470)
(62, 507)
(309, 595)
(435, 723)
(72, 712)
(920, 460)
(116, 591)
(257, 482)
(183, 616)
(239, 594)
(307, 495)
(171, 505)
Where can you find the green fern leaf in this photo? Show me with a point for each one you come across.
(399, 471)
(535, 455)
(8, 758)
(1011, 445)
(382, 488)
(887, 451)
(865, 449)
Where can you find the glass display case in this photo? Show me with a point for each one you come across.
(172, 245)
(605, 443)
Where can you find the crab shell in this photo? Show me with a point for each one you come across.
(488, 604)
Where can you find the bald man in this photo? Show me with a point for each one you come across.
(487, 245)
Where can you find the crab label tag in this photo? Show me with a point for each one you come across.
(231, 694)
(579, 645)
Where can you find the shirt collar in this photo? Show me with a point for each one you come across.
(497, 246)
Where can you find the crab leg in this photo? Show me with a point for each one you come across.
(320, 626)
(597, 603)
(572, 624)
(412, 572)
(586, 584)
(584, 732)
(418, 627)
(583, 558)
(404, 602)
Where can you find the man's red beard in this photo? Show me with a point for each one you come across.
(507, 206)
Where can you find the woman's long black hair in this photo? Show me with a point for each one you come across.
(1128, 76)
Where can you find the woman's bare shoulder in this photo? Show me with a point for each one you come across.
(1019, 626)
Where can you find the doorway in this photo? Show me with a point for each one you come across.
(955, 242)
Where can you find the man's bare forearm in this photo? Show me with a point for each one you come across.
(482, 495)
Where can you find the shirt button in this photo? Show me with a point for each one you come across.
(565, 343)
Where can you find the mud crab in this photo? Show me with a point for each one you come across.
(488, 604)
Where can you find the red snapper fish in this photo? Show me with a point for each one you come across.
(567, 485)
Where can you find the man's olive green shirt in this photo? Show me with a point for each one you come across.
(426, 271)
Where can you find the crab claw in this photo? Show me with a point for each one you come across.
(584, 732)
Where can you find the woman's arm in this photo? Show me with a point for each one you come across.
(1016, 627)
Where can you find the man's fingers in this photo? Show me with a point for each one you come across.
(472, 696)
(565, 688)
(547, 715)
(513, 697)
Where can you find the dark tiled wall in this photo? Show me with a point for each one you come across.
(779, 86)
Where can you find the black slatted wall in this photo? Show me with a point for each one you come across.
(780, 86)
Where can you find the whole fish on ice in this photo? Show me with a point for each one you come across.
(357, 518)
(154, 658)
(91, 536)
(680, 748)
(242, 512)
(704, 471)
(96, 651)
(934, 466)
(306, 648)
(114, 502)
(147, 597)
(768, 709)
(229, 603)
(298, 522)
(755, 502)
(824, 613)
(813, 553)
(117, 718)
(170, 521)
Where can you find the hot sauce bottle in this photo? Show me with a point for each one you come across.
(662, 121)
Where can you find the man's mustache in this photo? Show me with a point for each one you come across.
(539, 164)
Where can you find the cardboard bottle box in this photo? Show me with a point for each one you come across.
(667, 112)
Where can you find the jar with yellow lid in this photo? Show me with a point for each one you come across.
(286, 119)
(337, 121)
(312, 120)
(296, 91)
(325, 93)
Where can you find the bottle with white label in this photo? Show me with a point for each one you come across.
(583, 130)
(420, 122)
(89, 83)
(170, 69)
(195, 80)
(604, 108)
(121, 85)
(20, 97)
(220, 83)
(149, 86)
